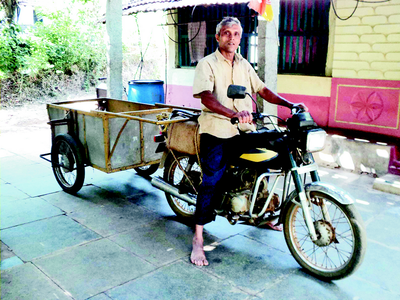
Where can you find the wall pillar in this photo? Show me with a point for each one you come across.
(268, 43)
(114, 48)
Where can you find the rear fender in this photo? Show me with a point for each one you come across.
(163, 158)
(336, 193)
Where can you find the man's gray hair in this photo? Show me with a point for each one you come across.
(229, 21)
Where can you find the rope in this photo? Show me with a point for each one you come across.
(184, 172)
(344, 19)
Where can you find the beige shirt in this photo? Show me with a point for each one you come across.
(215, 73)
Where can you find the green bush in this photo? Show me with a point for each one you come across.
(13, 50)
(67, 51)
(70, 44)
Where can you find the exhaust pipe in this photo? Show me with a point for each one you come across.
(166, 187)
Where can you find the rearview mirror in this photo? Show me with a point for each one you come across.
(236, 92)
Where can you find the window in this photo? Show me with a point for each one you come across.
(303, 35)
(213, 15)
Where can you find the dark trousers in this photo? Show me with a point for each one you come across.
(215, 153)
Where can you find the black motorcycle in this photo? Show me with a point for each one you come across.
(322, 228)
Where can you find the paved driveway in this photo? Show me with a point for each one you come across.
(118, 239)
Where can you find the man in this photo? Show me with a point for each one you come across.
(213, 75)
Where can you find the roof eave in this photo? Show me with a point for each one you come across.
(161, 5)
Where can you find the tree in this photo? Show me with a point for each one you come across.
(10, 7)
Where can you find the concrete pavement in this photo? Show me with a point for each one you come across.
(118, 239)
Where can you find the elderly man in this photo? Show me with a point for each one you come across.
(213, 75)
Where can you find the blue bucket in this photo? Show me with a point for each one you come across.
(146, 91)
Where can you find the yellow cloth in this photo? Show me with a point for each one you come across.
(215, 73)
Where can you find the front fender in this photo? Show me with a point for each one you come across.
(336, 193)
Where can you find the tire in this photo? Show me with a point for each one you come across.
(147, 170)
(174, 176)
(335, 257)
(67, 163)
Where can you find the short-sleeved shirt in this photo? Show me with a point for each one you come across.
(215, 73)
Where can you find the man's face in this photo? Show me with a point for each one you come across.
(229, 38)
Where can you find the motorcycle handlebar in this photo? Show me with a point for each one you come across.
(297, 110)
(256, 116)
(235, 121)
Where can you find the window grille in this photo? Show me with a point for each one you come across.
(303, 35)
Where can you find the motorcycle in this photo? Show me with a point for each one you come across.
(322, 228)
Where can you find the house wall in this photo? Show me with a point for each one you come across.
(362, 89)
(367, 45)
(363, 93)
(179, 81)
(178, 90)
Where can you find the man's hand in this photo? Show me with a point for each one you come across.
(273, 98)
(243, 116)
(209, 101)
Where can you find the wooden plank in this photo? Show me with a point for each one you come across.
(179, 107)
(147, 112)
(123, 115)
(106, 131)
(117, 139)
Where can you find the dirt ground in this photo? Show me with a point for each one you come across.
(30, 116)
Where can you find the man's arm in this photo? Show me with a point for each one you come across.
(209, 101)
(273, 98)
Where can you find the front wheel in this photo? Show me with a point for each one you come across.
(67, 163)
(174, 175)
(341, 244)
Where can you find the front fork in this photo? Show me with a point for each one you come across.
(305, 204)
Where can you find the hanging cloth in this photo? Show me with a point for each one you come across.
(197, 36)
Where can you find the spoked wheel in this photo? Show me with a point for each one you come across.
(175, 176)
(147, 170)
(67, 163)
(341, 243)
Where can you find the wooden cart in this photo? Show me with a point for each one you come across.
(107, 134)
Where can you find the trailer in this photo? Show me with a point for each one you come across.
(107, 134)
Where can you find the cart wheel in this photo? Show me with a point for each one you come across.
(67, 163)
(147, 170)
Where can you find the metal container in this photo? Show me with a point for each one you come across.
(116, 135)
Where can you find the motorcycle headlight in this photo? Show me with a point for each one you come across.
(315, 140)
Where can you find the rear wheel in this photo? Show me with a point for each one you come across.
(67, 163)
(176, 177)
(341, 243)
(147, 170)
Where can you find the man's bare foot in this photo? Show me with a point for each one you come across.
(273, 227)
(198, 257)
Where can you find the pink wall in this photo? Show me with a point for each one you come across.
(365, 105)
(355, 104)
(318, 107)
(181, 95)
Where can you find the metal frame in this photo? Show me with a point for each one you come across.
(130, 111)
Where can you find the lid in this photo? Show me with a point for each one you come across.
(145, 81)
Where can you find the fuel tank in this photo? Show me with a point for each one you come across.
(258, 155)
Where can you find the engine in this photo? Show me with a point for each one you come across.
(239, 197)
